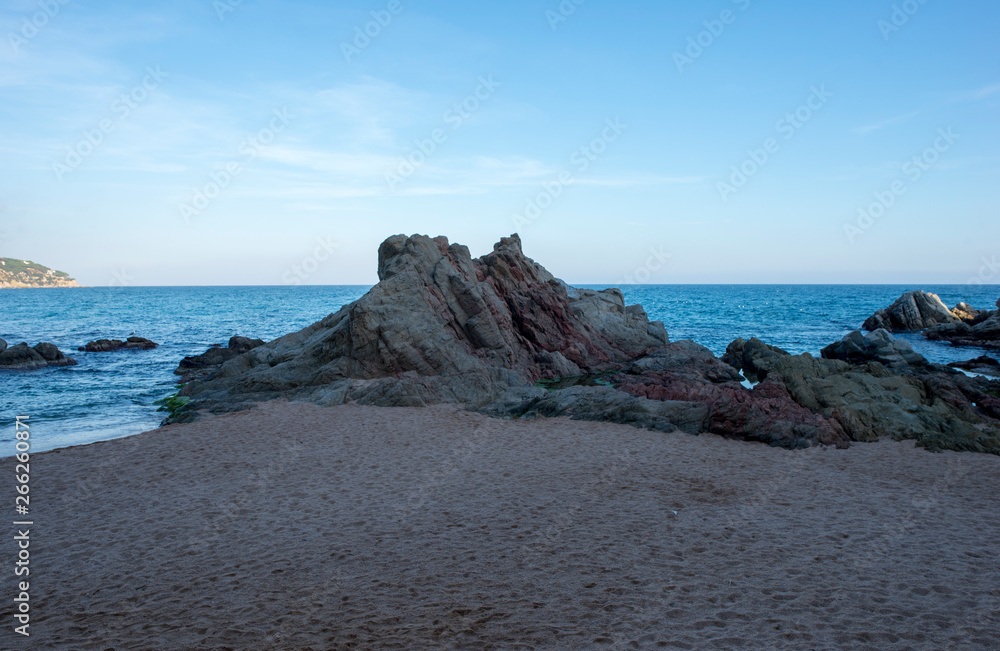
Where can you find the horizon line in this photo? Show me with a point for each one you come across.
(584, 285)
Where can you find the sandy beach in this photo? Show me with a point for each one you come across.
(294, 526)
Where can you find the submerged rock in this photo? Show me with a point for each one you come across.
(911, 311)
(983, 365)
(23, 357)
(200, 367)
(111, 345)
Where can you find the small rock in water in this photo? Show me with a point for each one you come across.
(23, 357)
(111, 345)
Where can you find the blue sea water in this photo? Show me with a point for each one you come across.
(110, 395)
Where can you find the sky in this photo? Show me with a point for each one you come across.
(730, 141)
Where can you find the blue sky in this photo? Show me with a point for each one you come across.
(119, 120)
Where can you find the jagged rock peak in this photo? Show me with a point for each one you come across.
(912, 311)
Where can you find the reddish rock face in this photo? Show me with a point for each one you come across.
(592, 330)
(765, 413)
(938, 407)
(437, 310)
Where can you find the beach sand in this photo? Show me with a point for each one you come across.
(300, 527)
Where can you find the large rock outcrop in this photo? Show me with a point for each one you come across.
(441, 326)
(499, 334)
(911, 311)
(23, 357)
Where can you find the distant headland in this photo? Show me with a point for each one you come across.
(25, 273)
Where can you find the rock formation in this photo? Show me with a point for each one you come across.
(911, 311)
(202, 367)
(878, 346)
(968, 314)
(111, 345)
(442, 327)
(687, 374)
(984, 334)
(23, 357)
(500, 335)
(939, 407)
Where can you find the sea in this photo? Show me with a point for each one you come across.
(113, 395)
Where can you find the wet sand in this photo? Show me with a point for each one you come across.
(300, 527)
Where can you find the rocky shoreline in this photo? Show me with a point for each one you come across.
(500, 335)
(962, 325)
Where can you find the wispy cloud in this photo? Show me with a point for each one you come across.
(977, 94)
(306, 173)
(869, 128)
(326, 173)
(342, 164)
(643, 179)
(370, 111)
(961, 97)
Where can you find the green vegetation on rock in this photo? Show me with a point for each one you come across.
(173, 404)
